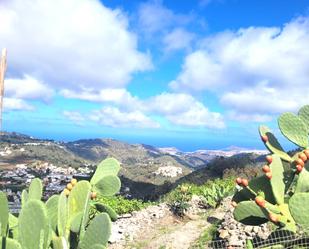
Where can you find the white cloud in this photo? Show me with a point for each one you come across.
(27, 88)
(177, 108)
(257, 70)
(154, 17)
(14, 104)
(74, 116)
(178, 39)
(70, 44)
(112, 116)
(120, 97)
(184, 110)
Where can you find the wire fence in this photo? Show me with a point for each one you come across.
(277, 240)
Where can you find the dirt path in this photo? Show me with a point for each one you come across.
(170, 232)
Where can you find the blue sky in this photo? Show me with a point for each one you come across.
(197, 74)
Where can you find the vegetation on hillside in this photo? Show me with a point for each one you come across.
(211, 194)
(121, 205)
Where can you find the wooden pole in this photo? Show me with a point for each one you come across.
(3, 66)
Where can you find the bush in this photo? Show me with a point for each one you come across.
(122, 205)
(212, 193)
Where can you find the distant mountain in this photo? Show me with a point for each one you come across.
(144, 168)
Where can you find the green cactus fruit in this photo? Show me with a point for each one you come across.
(78, 200)
(76, 222)
(303, 113)
(10, 244)
(248, 213)
(106, 209)
(62, 214)
(109, 166)
(298, 205)
(34, 227)
(294, 129)
(4, 214)
(272, 143)
(108, 185)
(97, 232)
(277, 180)
(52, 211)
(35, 190)
(24, 197)
(258, 184)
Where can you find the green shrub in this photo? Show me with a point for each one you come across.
(212, 192)
(122, 205)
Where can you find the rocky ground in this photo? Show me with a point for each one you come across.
(156, 228)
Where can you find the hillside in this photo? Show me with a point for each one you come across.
(147, 171)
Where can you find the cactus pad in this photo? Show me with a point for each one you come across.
(62, 214)
(277, 180)
(294, 129)
(298, 205)
(109, 166)
(272, 144)
(52, 210)
(258, 184)
(34, 225)
(24, 197)
(107, 209)
(78, 198)
(97, 232)
(76, 222)
(304, 115)
(4, 214)
(248, 213)
(108, 185)
(35, 190)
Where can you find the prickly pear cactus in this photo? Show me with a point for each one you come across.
(281, 195)
(62, 222)
(4, 214)
(105, 180)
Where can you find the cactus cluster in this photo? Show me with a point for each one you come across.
(281, 194)
(62, 222)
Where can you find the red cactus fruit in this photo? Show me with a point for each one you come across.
(299, 168)
(238, 180)
(303, 157)
(273, 218)
(244, 182)
(259, 200)
(269, 159)
(264, 138)
(266, 169)
(300, 162)
(269, 175)
(306, 153)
